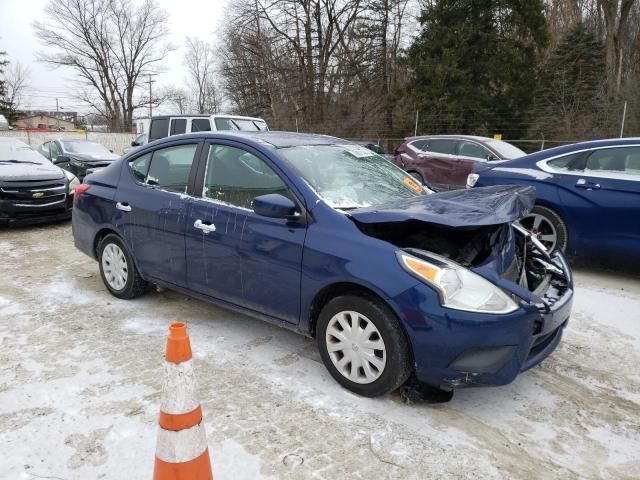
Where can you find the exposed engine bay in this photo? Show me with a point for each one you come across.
(531, 267)
(537, 271)
(467, 246)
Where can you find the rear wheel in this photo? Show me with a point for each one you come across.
(363, 345)
(547, 226)
(117, 269)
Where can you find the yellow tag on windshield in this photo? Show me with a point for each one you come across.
(412, 185)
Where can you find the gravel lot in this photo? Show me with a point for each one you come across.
(80, 378)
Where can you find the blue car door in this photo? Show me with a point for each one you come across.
(150, 210)
(601, 195)
(234, 254)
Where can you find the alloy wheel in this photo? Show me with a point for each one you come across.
(114, 266)
(356, 347)
(541, 228)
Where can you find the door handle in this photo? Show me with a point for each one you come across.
(123, 206)
(204, 227)
(582, 183)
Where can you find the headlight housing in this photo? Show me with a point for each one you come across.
(472, 178)
(459, 288)
(73, 181)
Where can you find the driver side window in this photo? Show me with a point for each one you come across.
(235, 176)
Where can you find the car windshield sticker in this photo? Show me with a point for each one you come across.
(412, 185)
(357, 151)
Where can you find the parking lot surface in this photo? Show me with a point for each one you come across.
(81, 373)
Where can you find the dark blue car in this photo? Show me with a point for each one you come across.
(588, 196)
(326, 237)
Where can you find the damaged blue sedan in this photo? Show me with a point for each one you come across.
(325, 237)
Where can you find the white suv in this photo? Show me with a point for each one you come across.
(167, 125)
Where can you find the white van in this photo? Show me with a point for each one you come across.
(166, 125)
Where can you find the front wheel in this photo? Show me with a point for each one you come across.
(363, 345)
(117, 269)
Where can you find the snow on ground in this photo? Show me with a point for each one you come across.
(80, 379)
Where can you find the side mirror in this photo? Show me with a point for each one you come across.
(491, 158)
(61, 159)
(274, 205)
(134, 143)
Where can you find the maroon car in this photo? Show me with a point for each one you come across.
(443, 162)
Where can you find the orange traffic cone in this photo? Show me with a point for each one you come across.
(181, 451)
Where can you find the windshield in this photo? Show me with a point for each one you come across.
(82, 146)
(351, 176)
(506, 150)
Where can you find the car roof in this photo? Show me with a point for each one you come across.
(273, 139)
(575, 147)
(204, 115)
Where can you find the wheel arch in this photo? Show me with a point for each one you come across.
(334, 290)
(100, 234)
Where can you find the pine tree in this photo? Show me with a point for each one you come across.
(474, 64)
(570, 94)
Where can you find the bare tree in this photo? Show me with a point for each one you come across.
(616, 20)
(16, 81)
(110, 44)
(200, 62)
(177, 97)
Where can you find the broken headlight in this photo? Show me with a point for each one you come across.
(459, 287)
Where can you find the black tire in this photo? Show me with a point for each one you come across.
(562, 235)
(134, 285)
(398, 365)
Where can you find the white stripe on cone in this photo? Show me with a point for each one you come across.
(181, 446)
(178, 388)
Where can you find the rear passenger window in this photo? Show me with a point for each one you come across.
(563, 163)
(200, 125)
(178, 126)
(159, 129)
(170, 167)
(236, 177)
(140, 167)
(442, 146)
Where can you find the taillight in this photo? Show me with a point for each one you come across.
(79, 190)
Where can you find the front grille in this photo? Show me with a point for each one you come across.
(34, 193)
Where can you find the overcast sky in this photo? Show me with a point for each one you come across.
(199, 18)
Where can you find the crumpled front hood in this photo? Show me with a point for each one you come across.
(458, 208)
(90, 158)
